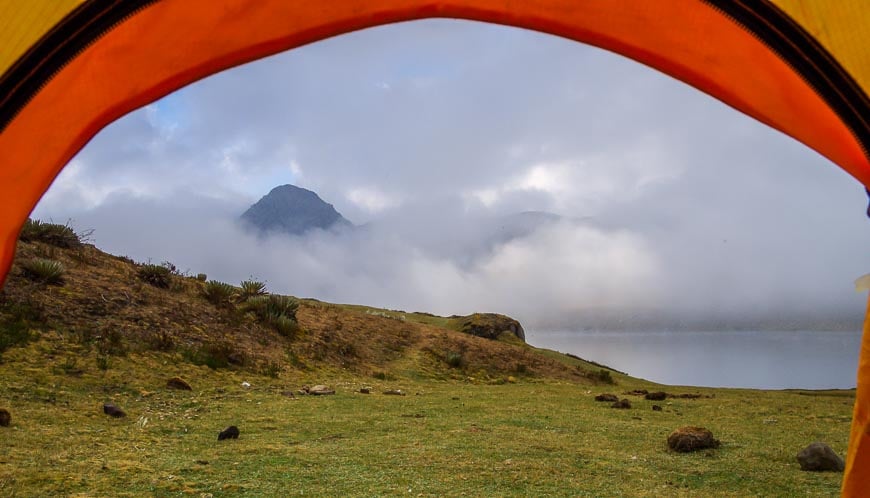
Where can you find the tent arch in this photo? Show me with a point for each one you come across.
(68, 68)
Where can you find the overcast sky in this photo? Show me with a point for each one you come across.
(674, 203)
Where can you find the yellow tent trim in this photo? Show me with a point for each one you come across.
(24, 22)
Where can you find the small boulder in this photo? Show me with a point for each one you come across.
(394, 392)
(818, 457)
(231, 432)
(365, 390)
(320, 390)
(622, 404)
(113, 411)
(686, 439)
(606, 397)
(656, 396)
(657, 408)
(5, 417)
(178, 383)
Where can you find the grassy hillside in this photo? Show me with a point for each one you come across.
(480, 417)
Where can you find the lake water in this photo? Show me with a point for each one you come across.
(761, 360)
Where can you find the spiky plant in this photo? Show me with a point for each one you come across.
(219, 293)
(252, 288)
(157, 275)
(44, 270)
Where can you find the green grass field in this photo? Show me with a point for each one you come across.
(445, 438)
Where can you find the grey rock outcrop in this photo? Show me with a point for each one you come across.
(820, 457)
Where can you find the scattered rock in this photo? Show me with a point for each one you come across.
(623, 404)
(689, 396)
(365, 390)
(246, 384)
(394, 392)
(818, 457)
(320, 390)
(113, 411)
(656, 396)
(5, 417)
(231, 432)
(638, 392)
(178, 383)
(606, 397)
(689, 438)
(657, 408)
(289, 394)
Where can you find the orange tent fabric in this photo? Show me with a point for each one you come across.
(70, 67)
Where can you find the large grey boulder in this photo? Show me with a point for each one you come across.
(820, 457)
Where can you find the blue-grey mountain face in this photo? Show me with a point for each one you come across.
(293, 210)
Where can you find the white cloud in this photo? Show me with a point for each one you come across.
(371, 199)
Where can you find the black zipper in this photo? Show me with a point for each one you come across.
(807, 57)
(66, 40)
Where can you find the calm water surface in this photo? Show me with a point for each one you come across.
(762, 360)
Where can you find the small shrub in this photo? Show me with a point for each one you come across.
(602, 376)
(111, 343)
(219, 293)
(202, 277)
(44, 270)
(17, 322)
(159, 276)
(252, 288)
(383, 376)
(454, 359)
(161, 340)
(50, 233)
(271, 369)
(214, 355)
(277, 311)
(103, 362)
(285, 325)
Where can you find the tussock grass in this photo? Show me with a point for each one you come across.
(54, 234)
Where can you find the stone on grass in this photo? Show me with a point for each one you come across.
(5, 417)
(606, 397)
(657, 408)
(819, 457)
(113, 411)
(656, 396)
(686, 439)
(320, 390)
(231, 432)
(394, 392)
(365, 390)
(178, 383)
(623, 404)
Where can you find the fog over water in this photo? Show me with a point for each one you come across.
(675, 210)
(747, 359)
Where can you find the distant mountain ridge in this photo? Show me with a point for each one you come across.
(293, 210)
